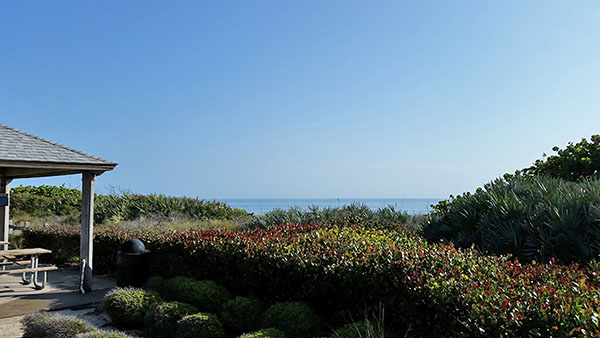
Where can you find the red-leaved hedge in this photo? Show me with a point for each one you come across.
(437, 290)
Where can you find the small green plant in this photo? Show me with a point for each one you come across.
(162, 322)
(206, 295)
(127, 307)
(241, 314)
(103, 334)
(264, 333)
(200, 325)
(362, 329)
(296, 319)
(46, 325)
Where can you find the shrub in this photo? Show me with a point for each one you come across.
(103, 334)
(296, 319)
(162, 321)
(532, 218)
(575, 162)
(46, 325)
(264, 333)
(127, 307)
(438, 288)
(241, 314)
(362, 329)
(200, 325)
(156, 283)
(46, 200)
(387, 217)
(206, 295)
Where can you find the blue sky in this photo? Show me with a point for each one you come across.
(246, 99)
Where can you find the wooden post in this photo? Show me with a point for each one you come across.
(86, 249)
(4, 212)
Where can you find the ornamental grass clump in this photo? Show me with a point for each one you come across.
(199, 325)
(206, 295)
(296, 319)
(241, 314)
(264, 333)
(162, 321)
(127, 307)
(47, 325)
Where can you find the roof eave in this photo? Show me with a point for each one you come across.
(26, 169)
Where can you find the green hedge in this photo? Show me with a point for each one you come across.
(435, 289)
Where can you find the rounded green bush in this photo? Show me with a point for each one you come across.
(264, 333)
(127, 307)
(46, 325)
(358, 330)
(296, 319)
(156, 283)
(103, 334)
(162, 322)
(206, 295)
(241, 314)
(200, 325)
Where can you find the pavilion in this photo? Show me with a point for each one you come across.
(23, 156)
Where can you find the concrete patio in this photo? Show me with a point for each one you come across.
(61, 292)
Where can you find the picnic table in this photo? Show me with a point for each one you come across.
(25, 261)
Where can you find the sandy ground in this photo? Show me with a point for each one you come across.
(11, 327)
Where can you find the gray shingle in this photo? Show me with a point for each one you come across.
(17, 145)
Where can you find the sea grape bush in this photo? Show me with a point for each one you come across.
(437, 288)
(574, 162)
(532, 218)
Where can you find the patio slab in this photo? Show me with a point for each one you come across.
(61, 292)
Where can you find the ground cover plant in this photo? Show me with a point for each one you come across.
(436, 289)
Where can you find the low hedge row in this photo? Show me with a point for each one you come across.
(436, 289)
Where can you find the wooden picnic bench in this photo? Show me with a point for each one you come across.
(15, 261)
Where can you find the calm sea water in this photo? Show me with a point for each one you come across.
(413, 206)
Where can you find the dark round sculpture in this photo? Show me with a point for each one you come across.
(133, 246)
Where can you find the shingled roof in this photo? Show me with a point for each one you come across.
(19, 149)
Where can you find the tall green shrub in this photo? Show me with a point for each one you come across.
(574, 162)
(532, 218)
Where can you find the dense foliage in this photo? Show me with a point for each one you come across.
(205, 325)
(241, 314)
(532, 218)
(45, 325)
(574, 162)
(45, 201)
(127, 307)
(103, 334)
(205, 295)
(387, 217)
(264, 333)
(162, 321)
(295, 319)
(437, 289)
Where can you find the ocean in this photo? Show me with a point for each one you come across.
(259, 206)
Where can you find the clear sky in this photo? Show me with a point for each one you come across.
(227, 99)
